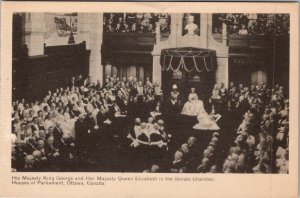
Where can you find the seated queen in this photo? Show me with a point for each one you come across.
(193, 106)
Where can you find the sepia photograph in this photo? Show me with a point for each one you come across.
(149, 99)
(128, 92)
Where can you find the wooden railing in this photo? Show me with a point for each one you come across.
(252, 41)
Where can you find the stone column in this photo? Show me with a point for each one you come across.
(96, 27)
(222, 53)
(34, 33)
(203, 30)
(224, 34)
(222, 73)
(83, 29)
(156, 73)
(90, 29)
(173, 29)
(156, 67)
(179, 24)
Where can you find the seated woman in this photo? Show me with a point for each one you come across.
(193, 106)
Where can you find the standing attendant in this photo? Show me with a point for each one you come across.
(80, 136)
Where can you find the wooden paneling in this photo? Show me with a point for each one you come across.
(127, 48)
(123, 40)
(251, 41)
(129, 52)
(34, 76)
(259, 59)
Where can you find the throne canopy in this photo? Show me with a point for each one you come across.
(188, 59)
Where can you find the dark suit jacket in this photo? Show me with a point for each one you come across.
(100, 118)
(49, 151)
(71, 83)
(79, 83)
(89, 123)
(57, 134)
(80, 133)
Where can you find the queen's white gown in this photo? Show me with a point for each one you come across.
(195, 107)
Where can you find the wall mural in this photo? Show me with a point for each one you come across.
(59, 27)
(65, 25)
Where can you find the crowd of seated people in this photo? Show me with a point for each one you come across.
(188, 158)
(135, 22)
(261, 126)
(70, 124)
(253, 24)
(263, 132)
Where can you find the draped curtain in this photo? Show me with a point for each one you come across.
(188, 59)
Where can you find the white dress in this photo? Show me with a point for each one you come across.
(192, 107)
(205, 122)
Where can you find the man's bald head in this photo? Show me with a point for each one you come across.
(37, 154)
(137, 121)
(155, 169)
(213, 169)
(205, 161)
(191, 141)
(29, 160)
(160, 122)
(143, 125)
(185, 148)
